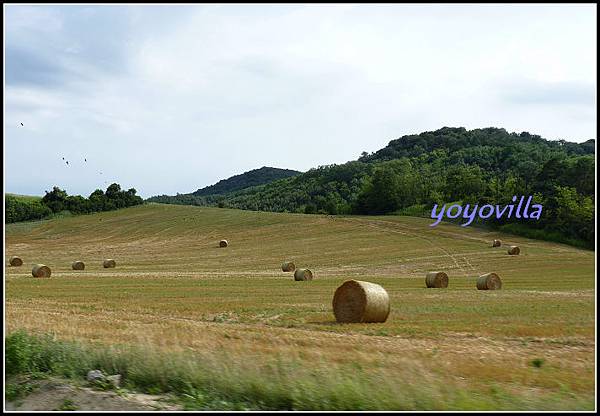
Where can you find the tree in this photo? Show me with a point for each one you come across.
(56, 199)
(380, 194)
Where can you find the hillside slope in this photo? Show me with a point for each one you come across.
(239, 319)
(235, 183)
(414, 172)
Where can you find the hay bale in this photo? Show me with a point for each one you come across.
(303, 274)
(489, 281)
(41, 270)
(15, 261)
(514, 250)
(436, 279)
(288, 266)
(223, 243)
(357, 301)
(496, 243)
(109, 264)
(78, 265)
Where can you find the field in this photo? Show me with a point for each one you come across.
(233, 319)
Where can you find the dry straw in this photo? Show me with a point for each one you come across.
(496, 243)
(303, 274)
(436, 279)
(357, 301)
(489, 281)
(288, 266)
(223, 243)
(514, 250)
(109, 264)
(15, 261)
(78, 265)
(41, 270)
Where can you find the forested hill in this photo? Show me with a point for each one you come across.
(470, 145)
(235, 183)
(414, 172)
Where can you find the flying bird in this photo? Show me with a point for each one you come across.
(85, 159)
(63, 158)
(21, 124)
(67, 162)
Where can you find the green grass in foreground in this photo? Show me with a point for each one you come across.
(211, 382)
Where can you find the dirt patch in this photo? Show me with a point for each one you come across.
(57, 394)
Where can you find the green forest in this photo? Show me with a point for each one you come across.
(57, 201)
(245, 180)
(449, 165)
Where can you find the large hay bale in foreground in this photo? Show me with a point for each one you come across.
(15, 261)
(357, 301)
(514, 250)
(303, 274)
(223, 243)
(109, 264)
(41, 270)
(436, 279)
(78, 265)
(489, 281)
(288, 266)
(496, 243)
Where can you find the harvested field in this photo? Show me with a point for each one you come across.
(173, 291)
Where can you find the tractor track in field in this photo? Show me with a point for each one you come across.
(377, 225)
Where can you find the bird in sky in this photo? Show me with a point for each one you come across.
(63, 158)
(85, 159)
(67, 162)
(21, 124)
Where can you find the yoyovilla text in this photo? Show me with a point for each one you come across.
(487, 211)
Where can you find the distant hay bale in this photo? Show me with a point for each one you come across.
(15, 261)
(223, 243)
(514, 250)
(41, 270)
(288, 266)
(303, 274)
(436, 279)
(78, 265)
(357, 301)
(496, 243)
(109, 264)
(489, 281)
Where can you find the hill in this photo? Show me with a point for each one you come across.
(449, 165)
(226, 328)
(233, 184)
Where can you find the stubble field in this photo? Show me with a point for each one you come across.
(231, 319)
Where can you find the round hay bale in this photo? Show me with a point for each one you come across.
(436, 279)
(496, 243)
(514, 250)
(357, 301)
(15, 261)
(78, 265)
(288, 266)
(489, 281)
(303, 274)
(223, 243)
(41, 270)
(109, 264)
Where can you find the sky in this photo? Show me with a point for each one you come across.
(171, 98)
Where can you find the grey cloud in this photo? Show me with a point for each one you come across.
(27, 68)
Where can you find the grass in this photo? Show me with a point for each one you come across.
(67, 405)
(231, 316)
(212, 380)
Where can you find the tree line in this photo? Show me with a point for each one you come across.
(56, 201)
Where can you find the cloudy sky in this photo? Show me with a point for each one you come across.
(169, 99)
